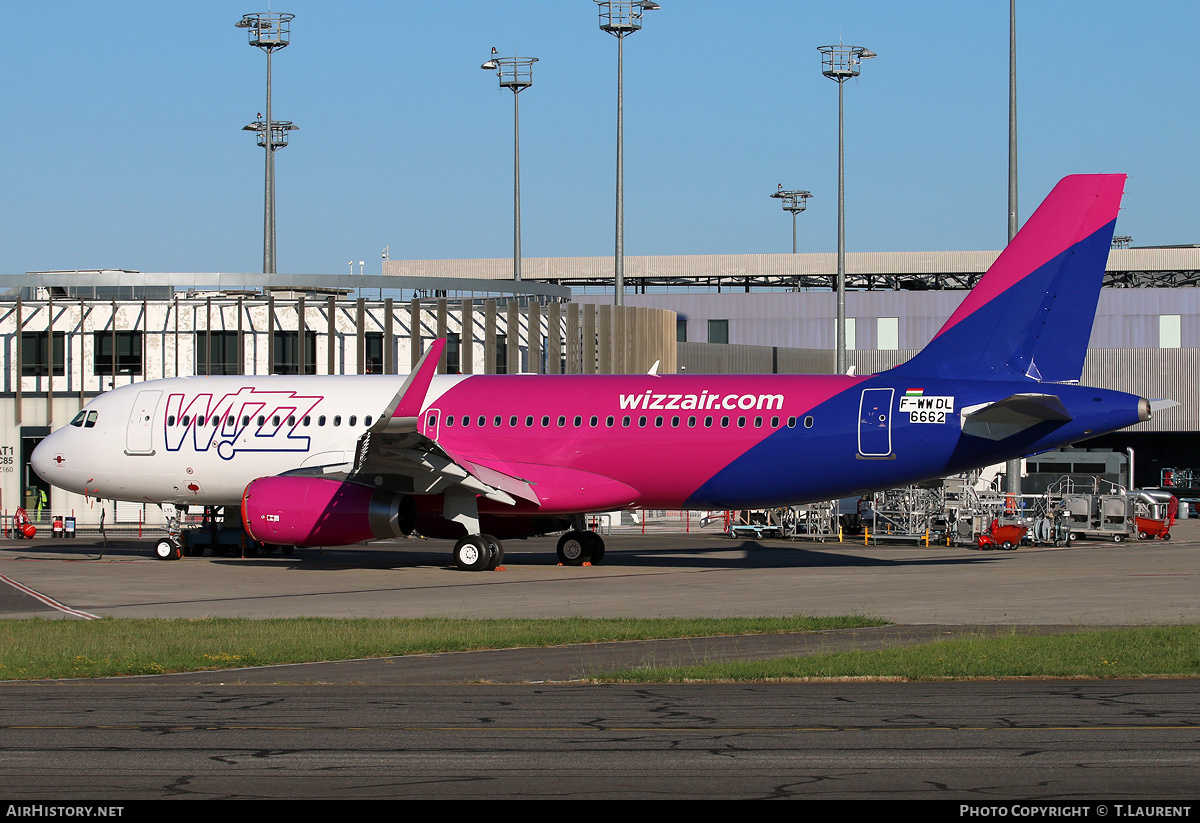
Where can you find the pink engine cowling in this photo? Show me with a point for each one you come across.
(315, 511)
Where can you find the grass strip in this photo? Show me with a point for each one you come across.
(39, 649)
(1155, 651)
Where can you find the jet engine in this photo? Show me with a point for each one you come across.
(315, 511)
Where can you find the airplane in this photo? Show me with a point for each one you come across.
(340, 460)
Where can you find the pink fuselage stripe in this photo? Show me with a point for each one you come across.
(666, 463)
(1046, 235)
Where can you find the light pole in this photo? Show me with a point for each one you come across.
(268, 31)
(794, 202)
(619, 18)
(840, 63)
(515, 73)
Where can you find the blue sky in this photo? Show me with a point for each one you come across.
(122, 141)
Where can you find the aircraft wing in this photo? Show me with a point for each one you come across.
(393, 453)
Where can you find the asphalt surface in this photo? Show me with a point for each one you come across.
(521, 724)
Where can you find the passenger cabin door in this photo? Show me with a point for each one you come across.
(875, 424)
(139, 436)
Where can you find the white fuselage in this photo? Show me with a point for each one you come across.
(200, 440)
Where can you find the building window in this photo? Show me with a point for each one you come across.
(128, 353)
(849, 333)
(217, 353)
(36, 358)
(287, 359)
(888, 333)
(1169, 334)
(718, 331)
(501, 354)
(373, 345)
(680, 330)
(453, 353)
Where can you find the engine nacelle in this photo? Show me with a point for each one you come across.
(315, 511)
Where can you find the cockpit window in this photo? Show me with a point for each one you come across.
(85, 419)
(79, 418)
(91, 420)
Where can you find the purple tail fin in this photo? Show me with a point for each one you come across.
(1031, 315)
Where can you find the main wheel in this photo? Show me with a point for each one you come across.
(496, 549)
(471, 553)
(574, 549)
(597, 547)
(167, 549)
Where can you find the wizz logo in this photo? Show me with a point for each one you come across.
(231, 422)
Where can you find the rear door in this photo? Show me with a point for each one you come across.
(875, 423)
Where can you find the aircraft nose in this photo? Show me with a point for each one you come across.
(43, 459)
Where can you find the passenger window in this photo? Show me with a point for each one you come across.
(545, 420)
(366, 421)
(498, 422)
(185, 420)
(275, 420)
(791, 422)
(674, 422)
(642, 422)
(245, 420)
(608, 421)
(261, 420)
(432, 421)
(658, 422)
(482, 421)
(579, 421)
(170, 420)
(321, 420)
(529, 421)
(708, 422)
(562, 421)
(741, 422)
(337, 420)
(593, 421)
(808, 422)
(512, 421)
(724, 422)
(758, 422)
(625, 422)
(291, 419)
(466, 420)
(774, 422)
(353, 419)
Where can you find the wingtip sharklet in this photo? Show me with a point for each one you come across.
(406, 405)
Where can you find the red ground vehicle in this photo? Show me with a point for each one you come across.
(1150, 529)
(22, 524)
(1001, 537)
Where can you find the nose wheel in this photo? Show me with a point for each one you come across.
(478, 552)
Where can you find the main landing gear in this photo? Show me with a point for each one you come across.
(478, 552)
(580, 546)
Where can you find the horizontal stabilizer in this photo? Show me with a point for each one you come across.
(1012, 415)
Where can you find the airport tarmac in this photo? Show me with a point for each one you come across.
(496, 724)
(652, 575)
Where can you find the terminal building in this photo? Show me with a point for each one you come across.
(69, 336)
